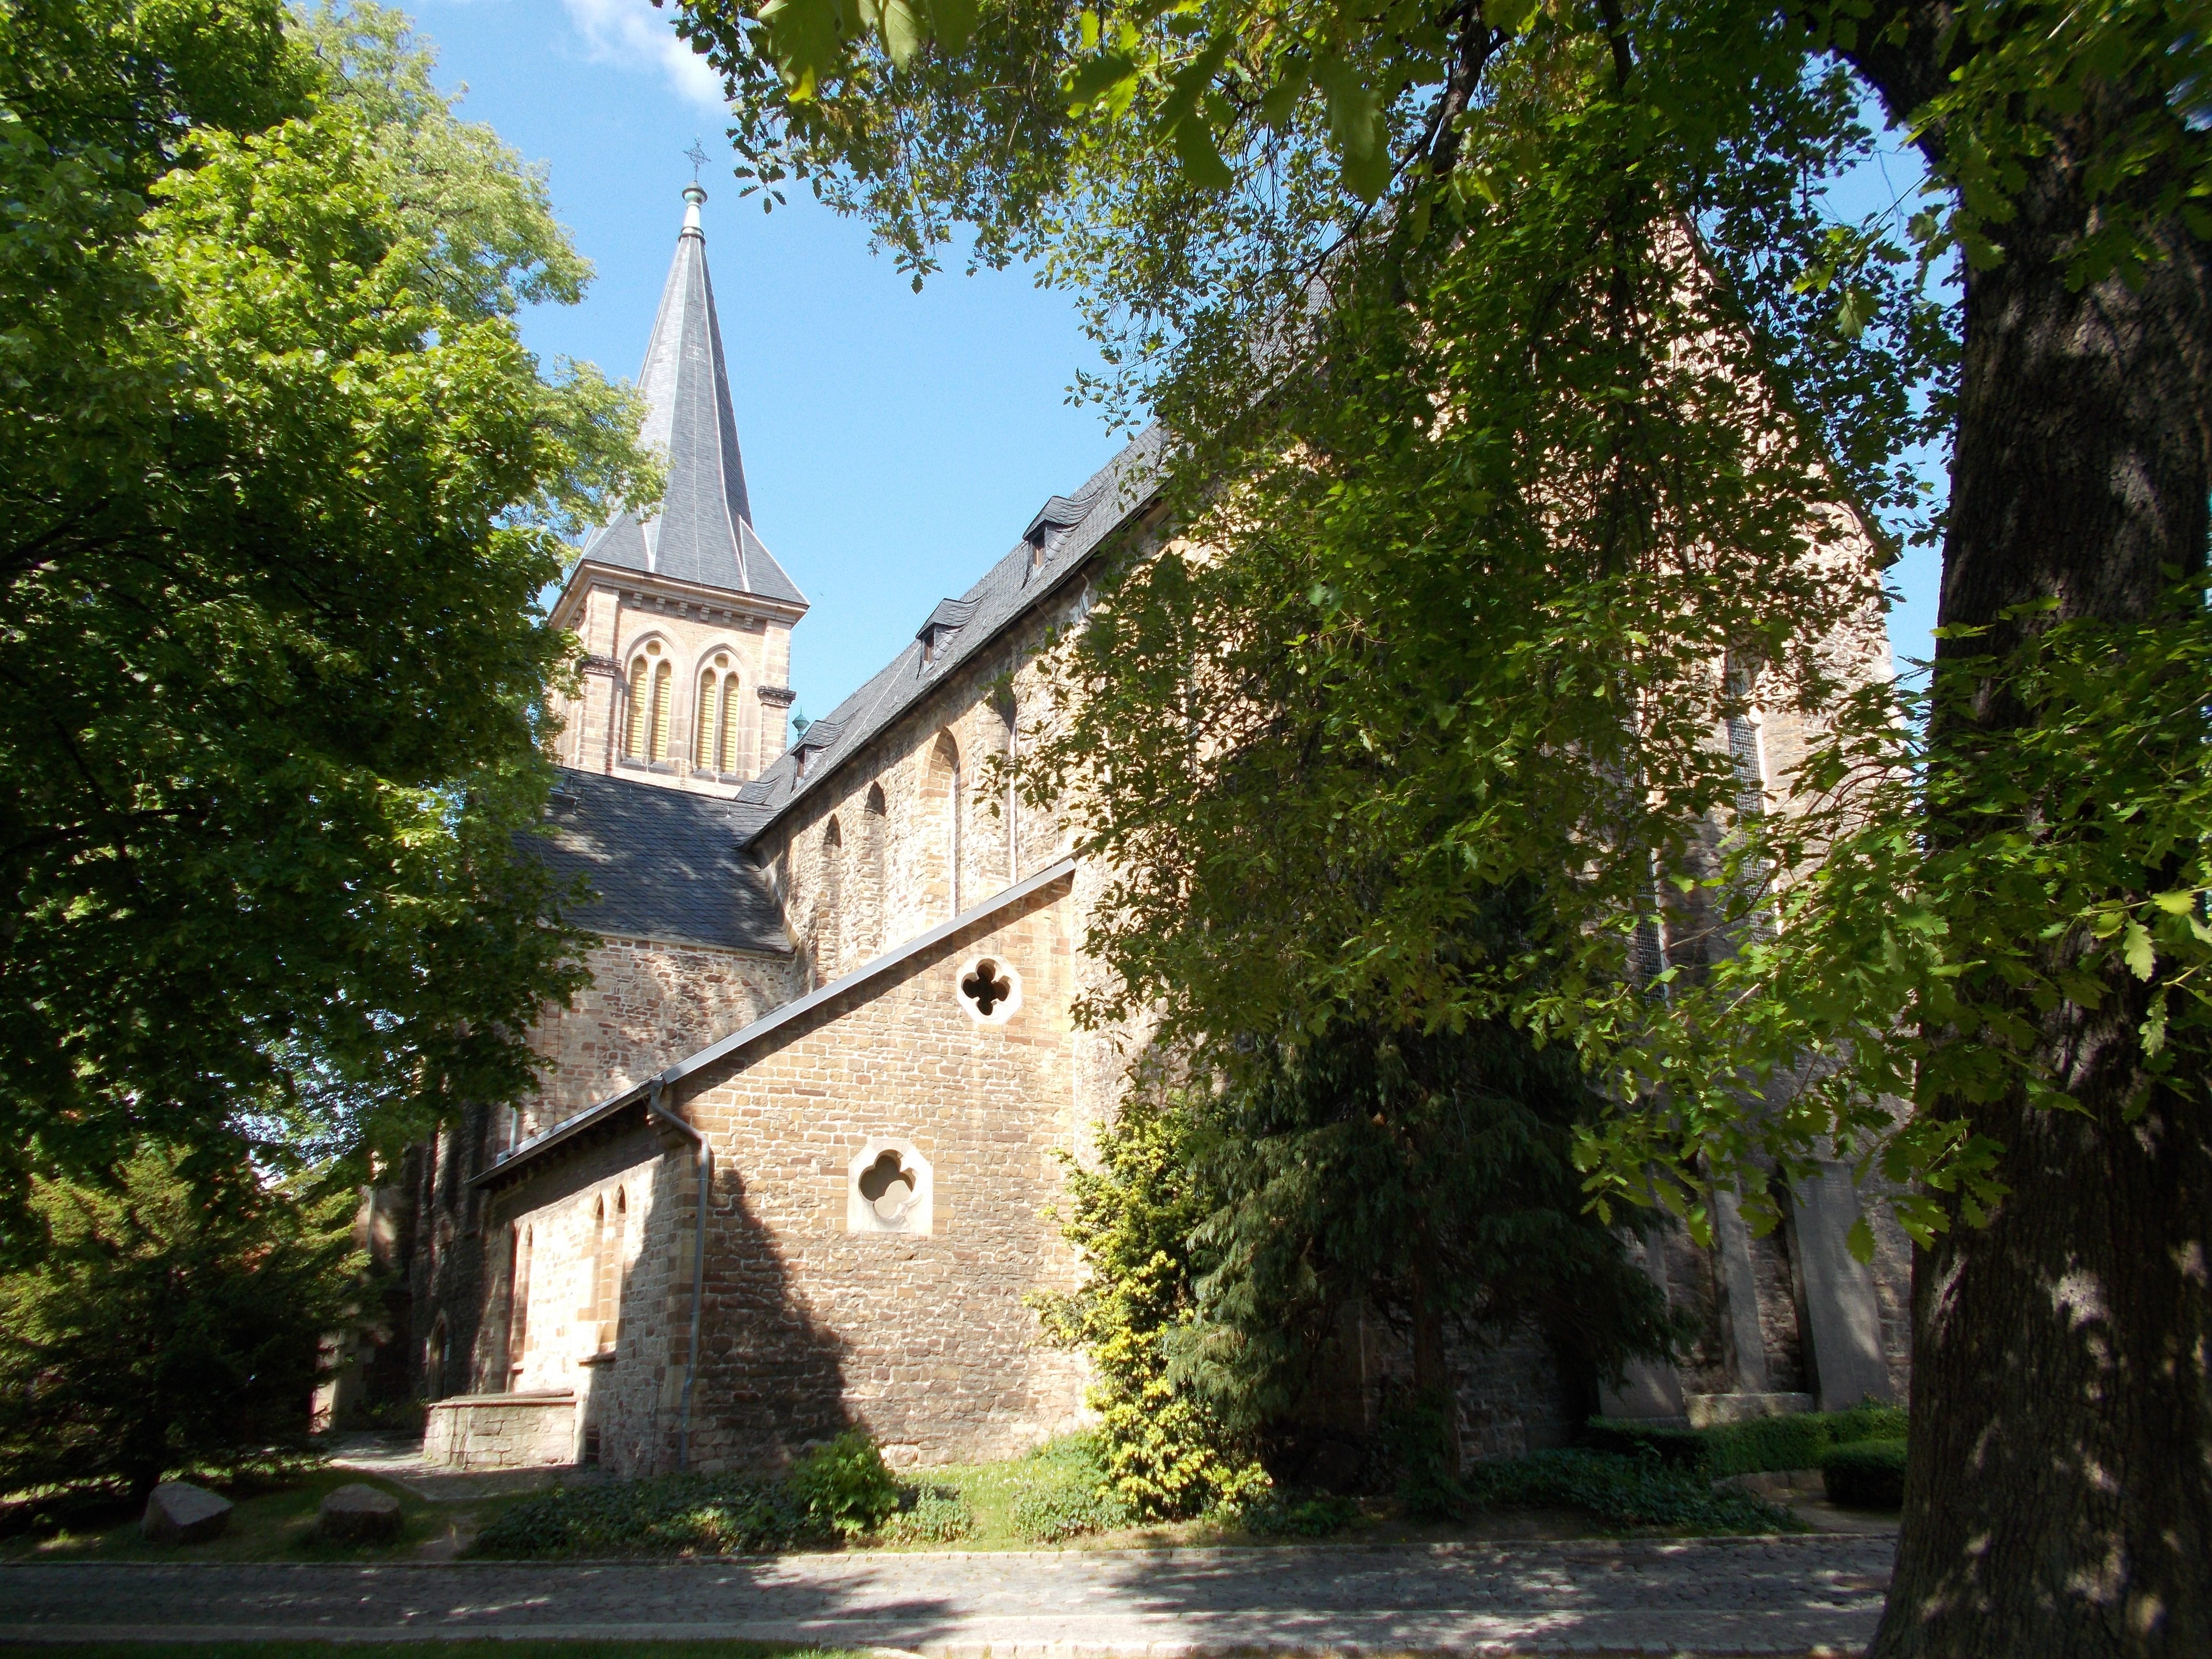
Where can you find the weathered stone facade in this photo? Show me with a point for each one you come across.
(869, 1078)
(485, 1432)
(648, 999)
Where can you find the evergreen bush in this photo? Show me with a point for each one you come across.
(1165, 1455)
(166, 1323)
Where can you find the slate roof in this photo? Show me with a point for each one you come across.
(1065, 533)
(704, 532)
(664, 864)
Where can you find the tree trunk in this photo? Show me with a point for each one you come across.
(2058, 1496)
(1432, 1386)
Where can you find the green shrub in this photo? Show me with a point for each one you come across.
(845, 1485)
(1622, 1492)
(1675, 1449)
(1304, 1518)
(931, 1515)
(1066, 1492)
(1866, 1475)
(1794, 1441)
(672, 1514)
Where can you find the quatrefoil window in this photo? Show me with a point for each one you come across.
(987, 987)
(990, 990)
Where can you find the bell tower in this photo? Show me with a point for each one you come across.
(684, 616)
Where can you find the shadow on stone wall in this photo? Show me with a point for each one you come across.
(773, 1382)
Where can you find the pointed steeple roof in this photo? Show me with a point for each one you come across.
(704, 532)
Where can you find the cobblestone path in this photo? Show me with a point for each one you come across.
(1753, 1595)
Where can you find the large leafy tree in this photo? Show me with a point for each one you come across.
(280, 485)
(1551, 257)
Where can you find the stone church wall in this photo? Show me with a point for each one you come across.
(884, 872)
(623, 1356)
(923, 1338)
(649, 1003)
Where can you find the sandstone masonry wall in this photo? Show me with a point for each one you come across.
(649, 1003)
(924, 1340)
(617, 1210)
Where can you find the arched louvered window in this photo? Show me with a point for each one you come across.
(706, 723)
(723, 739)
(664, 698)
(634, 728)
(652, 696)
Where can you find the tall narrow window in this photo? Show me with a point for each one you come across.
(664, 687)
(634, 728)
(735, 758)
(645, 733)
(829, 913)
(945, 786)
(595, 1273)
(610, 1296)
(518, 1300)
(1007, 711)
(875, 818)
(705, 718)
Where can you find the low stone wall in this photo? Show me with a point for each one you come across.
(502, 1431)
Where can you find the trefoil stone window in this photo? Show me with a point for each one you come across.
(888, 1188)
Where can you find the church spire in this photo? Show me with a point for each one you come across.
(704, 532)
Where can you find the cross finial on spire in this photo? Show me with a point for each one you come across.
(697, 157)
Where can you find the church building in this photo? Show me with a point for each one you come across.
(790, 1169)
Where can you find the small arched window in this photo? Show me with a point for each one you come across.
(652, 694)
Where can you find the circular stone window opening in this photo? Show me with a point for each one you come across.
(990, 990)
(888, 1189)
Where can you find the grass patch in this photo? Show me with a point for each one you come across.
(1051, 1495)
(1623, 1492)
(267, 1525)
(1765, 1443)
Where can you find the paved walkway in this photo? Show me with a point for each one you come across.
(1753, 1595)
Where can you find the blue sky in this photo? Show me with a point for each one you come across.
(895, 443)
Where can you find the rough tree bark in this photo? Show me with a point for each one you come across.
(2059, 1498)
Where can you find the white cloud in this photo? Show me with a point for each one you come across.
(636, 36)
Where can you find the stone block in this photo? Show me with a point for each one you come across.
(181, 1513)
(1842, 1315)
(358, 1513)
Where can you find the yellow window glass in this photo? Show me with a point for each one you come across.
(733, 755)
(634, 733)
(702, 725)
(663, 694)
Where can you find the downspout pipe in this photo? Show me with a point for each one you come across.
(702, 1157)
